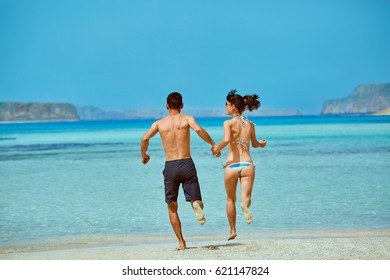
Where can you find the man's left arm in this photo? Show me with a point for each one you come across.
(200, 131)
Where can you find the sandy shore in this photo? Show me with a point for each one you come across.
(352, 245)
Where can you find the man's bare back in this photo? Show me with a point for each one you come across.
(175, 134)
(174, 130)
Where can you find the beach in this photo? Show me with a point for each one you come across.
(338, 245)
(78, 191)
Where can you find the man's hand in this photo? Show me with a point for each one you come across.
(145, 159)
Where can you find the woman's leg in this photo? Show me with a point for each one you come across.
(247, 179)
(230, 178)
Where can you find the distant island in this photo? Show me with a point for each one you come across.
(94, 113)
(45, 112)
(372, 99)
(36, 112)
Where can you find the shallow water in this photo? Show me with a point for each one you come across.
(316, 173)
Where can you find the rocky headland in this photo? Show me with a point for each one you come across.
(37, 112)
(363, 100)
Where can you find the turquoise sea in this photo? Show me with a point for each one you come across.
(317, 173)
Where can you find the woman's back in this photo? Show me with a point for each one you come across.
(240, 135)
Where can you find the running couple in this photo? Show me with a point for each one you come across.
(174, 131)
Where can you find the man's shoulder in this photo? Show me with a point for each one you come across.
(184, 117)
(164, 119)
(161, 121)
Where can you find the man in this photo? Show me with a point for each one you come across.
(179, 169)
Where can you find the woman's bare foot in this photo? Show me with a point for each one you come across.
(232, 236)
(247, 213)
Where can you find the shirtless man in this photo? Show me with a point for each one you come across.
(179, 169)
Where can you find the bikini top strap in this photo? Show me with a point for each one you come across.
(246, 118)
(243, 119)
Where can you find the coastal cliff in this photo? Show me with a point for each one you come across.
(35, 112)
(365, 99)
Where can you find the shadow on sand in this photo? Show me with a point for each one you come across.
(216, 247)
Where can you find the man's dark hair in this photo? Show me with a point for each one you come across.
(175, 101)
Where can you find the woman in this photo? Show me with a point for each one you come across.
(239, 132)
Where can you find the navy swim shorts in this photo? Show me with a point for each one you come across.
(181, 171)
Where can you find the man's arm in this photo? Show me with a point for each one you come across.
(145, 142)
(200, 131)
(202, 134)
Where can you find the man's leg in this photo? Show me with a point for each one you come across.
(192, 190)
(197, 205)
(176, 224)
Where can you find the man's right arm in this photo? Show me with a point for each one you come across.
(145, 142)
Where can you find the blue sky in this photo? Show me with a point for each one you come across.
(120, 54)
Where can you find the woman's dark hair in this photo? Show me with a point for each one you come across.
(175, 101)
(242, 103)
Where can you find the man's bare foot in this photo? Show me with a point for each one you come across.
(232, 236)
(199, 213)
(247, 213)
(182, 246)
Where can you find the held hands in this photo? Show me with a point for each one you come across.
(214, 151)
(145, 159)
